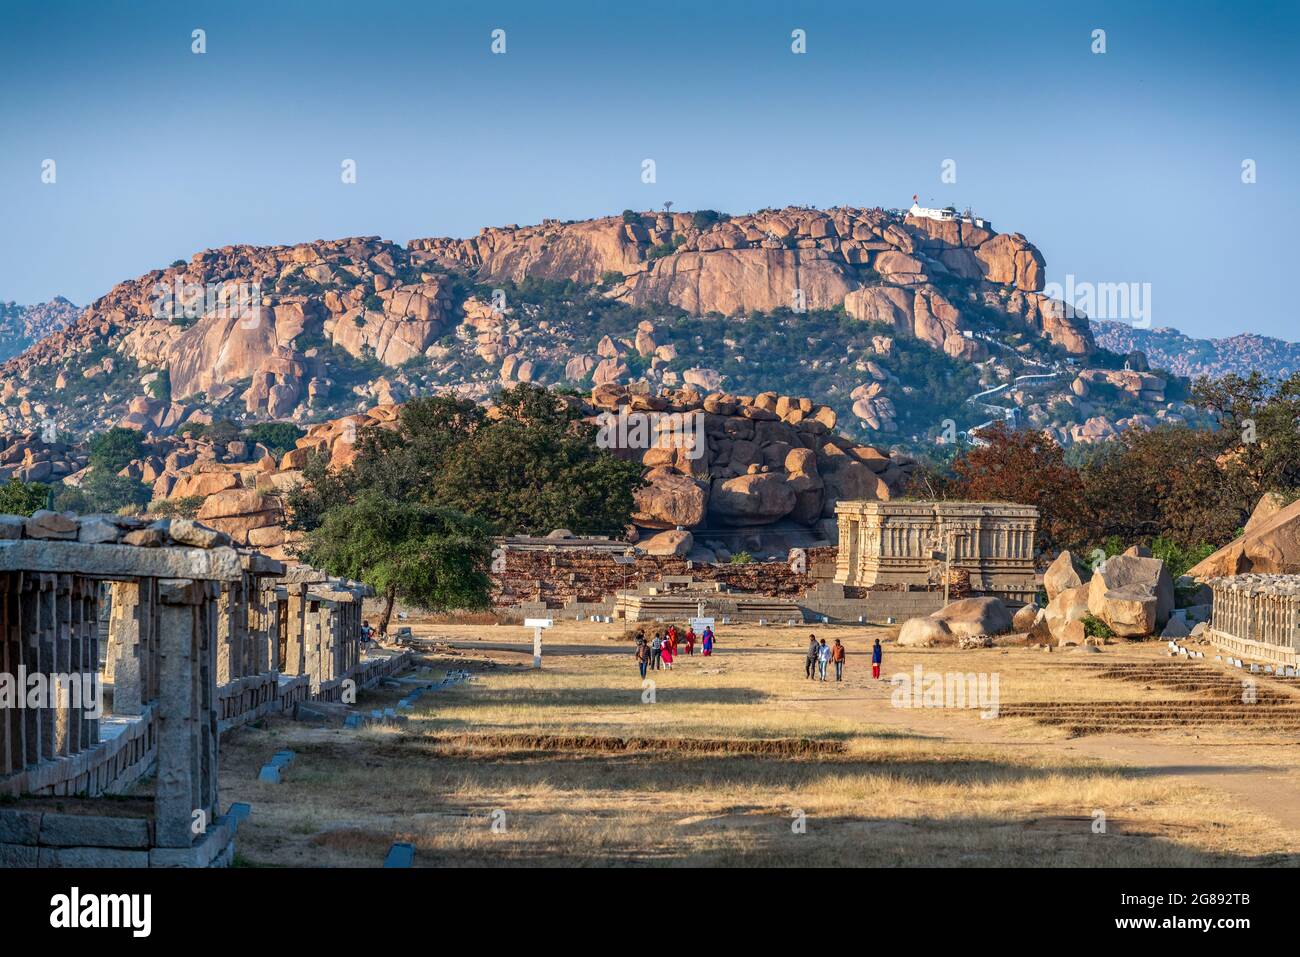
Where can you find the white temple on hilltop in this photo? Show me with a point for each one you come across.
(948, 214)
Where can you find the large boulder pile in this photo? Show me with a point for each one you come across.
(765, 458)
(1131, 594)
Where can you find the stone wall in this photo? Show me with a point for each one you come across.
(560, 577)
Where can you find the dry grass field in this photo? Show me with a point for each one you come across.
(738, 760)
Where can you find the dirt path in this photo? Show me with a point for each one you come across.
(1271, 790)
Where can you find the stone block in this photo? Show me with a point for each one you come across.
(18, 855)
(44, 524)
(270, 774)
(93, 830)
(91, 857)
(97, 529)
(400, 854)
(19, 827)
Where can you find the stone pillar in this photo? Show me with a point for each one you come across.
(12, 750)
(47, 662)
(127, 646)
(294, 657)
(312, 641)
(187, 756)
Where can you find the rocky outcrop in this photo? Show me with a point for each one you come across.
(1270, 545)
(763, 459)
(879, 265)
(296, 332)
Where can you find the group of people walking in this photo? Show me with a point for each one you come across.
(661, 649)
(820, 655)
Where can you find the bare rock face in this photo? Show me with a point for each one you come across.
(741, 280)
(1011, 259)
(1269, 546)
(1269, 504)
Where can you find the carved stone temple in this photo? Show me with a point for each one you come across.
(900, 544)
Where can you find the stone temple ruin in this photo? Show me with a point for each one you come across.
(131, 700)
(885, 566)
(1257, 616)
(904, 544)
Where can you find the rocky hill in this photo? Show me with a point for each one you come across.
(20, 326)
(1186, 356)
(908, 327)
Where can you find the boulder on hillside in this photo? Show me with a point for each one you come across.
(669, 500)
(752, 499)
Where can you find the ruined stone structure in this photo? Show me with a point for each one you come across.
(1257, 616)
(900, 544)
(197, 636)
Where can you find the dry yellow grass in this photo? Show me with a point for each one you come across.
(518, 767)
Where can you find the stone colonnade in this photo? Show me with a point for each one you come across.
(1257, 616)
(163, 629)
(321, 628)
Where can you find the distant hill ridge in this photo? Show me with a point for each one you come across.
(902, 322)
(1187, 356)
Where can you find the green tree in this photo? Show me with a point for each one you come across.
(103, 491)
(113, 450)
(536, 467)
(22, 498)
(279, 437)
(434, 558)
(532, 467)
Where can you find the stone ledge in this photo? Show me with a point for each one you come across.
(120, 561)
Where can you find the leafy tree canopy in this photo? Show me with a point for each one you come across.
(433, 558)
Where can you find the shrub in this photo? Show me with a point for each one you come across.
(1094, 627)
(741, 558)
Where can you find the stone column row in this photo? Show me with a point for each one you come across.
(49, 653)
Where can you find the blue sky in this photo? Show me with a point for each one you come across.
(1122, 167)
